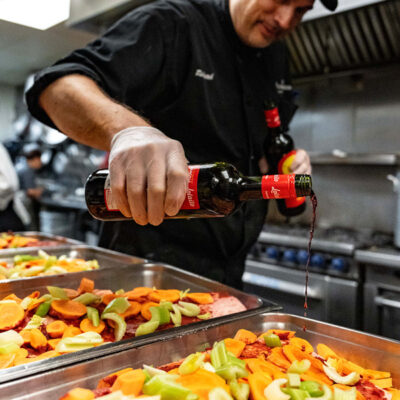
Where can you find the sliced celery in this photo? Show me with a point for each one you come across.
(25, 257)
(57, 292)
(120, 292)
(339, 394)
(204, 316)
(50, 261)
(231, 371)
(183, 293)
(35, 322)
(87, 298)
(296, 394)
(120, 329)
(176, 315)
(11, 336)
(8, 348)
(165, 386)
(147, 328)
(312, 387)
(219, 355)
(240, 391)
(219, 394)
(273, 390)
(166, 304)
(160, 314)
(191, 363)
(350, 379)
(119, 305)
(272, 340)
(299, 367)
(189, 309)
(43, 309)
(26, 302)
(93, 315)
(153, 371)
(327, 394)
(236, 361)
(295, 381)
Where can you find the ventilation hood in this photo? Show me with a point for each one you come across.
(360, 34)
(350, 40)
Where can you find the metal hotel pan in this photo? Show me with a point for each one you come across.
(106, 259)
(370, 351)
(60, 241)
(126, 277)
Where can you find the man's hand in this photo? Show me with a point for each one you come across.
(300, 165)
(148, 174)
(35, 193)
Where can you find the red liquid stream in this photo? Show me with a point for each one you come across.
(314, 203)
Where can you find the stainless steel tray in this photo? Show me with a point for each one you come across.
(370, 351)
(106, 259)
(126, 277)
(61, 241)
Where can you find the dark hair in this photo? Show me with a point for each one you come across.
(31, 151)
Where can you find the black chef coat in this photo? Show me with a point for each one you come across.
(180, 64)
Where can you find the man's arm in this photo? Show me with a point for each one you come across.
(148, 170)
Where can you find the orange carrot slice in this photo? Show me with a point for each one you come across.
(201, 298)
(87, 326)
(134, 309)
(56, 329)
(145, 310)
(137, 293)
(11, 314)
(171, 295)
(86, 286)
(69, 309)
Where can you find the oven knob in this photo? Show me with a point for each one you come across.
(339, 264)
(290, 255)
(302, 257)
(318, 261)
(272, 252)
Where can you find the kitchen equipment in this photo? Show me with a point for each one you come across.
(381, 290)
(119, 275)
(276, 269)
(370, 351)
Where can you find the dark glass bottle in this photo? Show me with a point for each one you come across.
(279, 151)
(214, 190)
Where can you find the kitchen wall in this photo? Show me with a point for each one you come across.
(355, 114)
(7, 110)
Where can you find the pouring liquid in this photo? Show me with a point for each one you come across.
(314, 203)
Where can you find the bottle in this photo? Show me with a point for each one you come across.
(280, 152)
(214, 190)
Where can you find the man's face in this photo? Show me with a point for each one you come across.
(258, 23)
(34, 163)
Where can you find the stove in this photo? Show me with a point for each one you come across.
(275, 269)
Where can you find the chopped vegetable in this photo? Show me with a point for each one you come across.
(130, 383)
(87, 326)
(219, 394)
(93, 315)
(56, 329)
(295, 382)
(120, 328)
(68, 309)
(299, 367)
(37, 339)
(176, 315)
(88, 298)
(313, 388)
(200, 298)
(204, 316)
(191, 363)
(43, 309)
(57, 293)
(79, 342)
(188, 309)
(11, 314)
(11, 336)
(165, 386)
(273, 390)
(272, 340)
(240, 391)
(35, 322)
(171, 295)
(86, 286)
(350, 379)
(147, 328)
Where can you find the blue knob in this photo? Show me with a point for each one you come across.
(302, 257)
(290, 255)
(318, 261)
(272, 252)
(339, 264)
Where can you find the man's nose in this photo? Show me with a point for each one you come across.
(284, 17)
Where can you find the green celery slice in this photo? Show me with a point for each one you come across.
(272, 340)
(11, 336)
(191, 363)
(25, 257)
(93, 315)
(231, 372)
(35, 322)
(147, 328)
(43, 309)
(119, 305)
(120, 329)
(339, 394)
(312, 387)
(204, 316)
(57, 292)
(294, 380)
(166, 387)
(240, 391)
(87, 298)
(176, 315)
(299, 367)
(219, 355)
(188, 309)
(219, 394)
(8, 348)
(160, 314)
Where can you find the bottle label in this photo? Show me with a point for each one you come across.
(278, 186)
(108, 199)
(272, 117)
(192, 199)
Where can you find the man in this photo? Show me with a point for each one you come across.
(199, 71)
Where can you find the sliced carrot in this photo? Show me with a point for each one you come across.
(2, 277)
(382, 383)
(56, 329)
(7, 360)
(326, 352)
(258, 382)
(34, 303)
(26, 335)
(71, 331)
(394, 392)
(20, 354)
(145, 310)
(200, 298)
(201, 382)
(234, 346)
(130, 383)
(44, 356)
(71, 293)
(171, 295)
(86, 286)
(12, 296)
(104, 382)
(373, 374)
(87, 326)
(134, 309)
(107, 298)
(265, 367)
(277, 357)
(69, 309)
(35, 294)
(302, 344)
(38, 340)
(11, 315)
(137, 293)
(79, 394)
(346, 367)
(245, 336)
(53, 343)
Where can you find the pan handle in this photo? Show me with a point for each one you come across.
(281, 285)
(383, 301)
